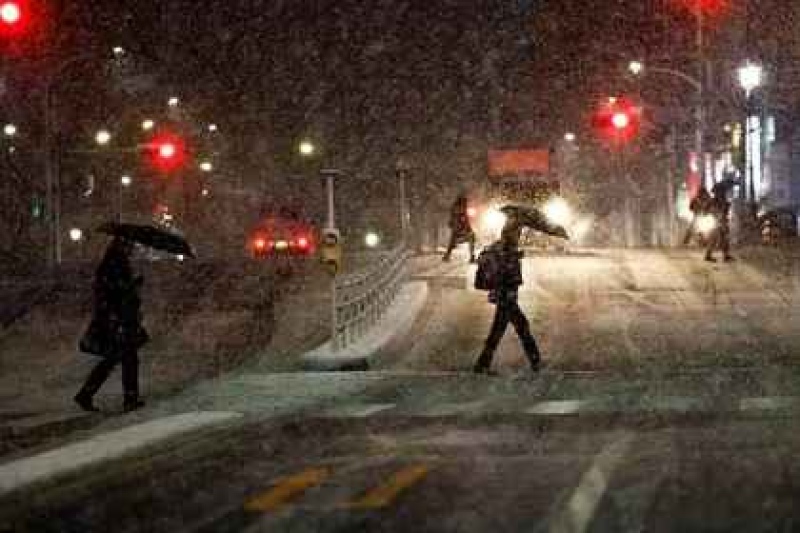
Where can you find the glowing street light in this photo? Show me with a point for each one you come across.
(118, 51)
(126, 181)
(174, 101)
(76, 234)
(213, 128)
(103, 137)
(307, 148)
(372, 240)
(207, 166)
(751, 77)
(570, 137)
(10, 130)
(148, 124)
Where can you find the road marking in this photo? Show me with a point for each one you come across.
(562, 407)
(286, 490)
(359, 411)
(581, 506)
(104, 447)
(777, 403)
(384, 495)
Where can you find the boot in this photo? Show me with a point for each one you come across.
(710, 258)
(484, 370)
(85, 402)
(132, 403)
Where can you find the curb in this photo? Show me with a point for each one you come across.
(102, 448)
(397, 323)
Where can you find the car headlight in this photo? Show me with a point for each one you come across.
(706, 224)
(494, 220)
(558, 212)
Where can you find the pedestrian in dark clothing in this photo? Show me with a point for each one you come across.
(720, 208)
(699, 206)
(509, 278)
(460, 228)
(116, 326)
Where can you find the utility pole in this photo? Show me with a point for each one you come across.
(700, 128)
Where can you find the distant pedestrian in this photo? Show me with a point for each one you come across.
(460, 228)
(116, 332)
(720, 208)
(500, 272)
(699, 206)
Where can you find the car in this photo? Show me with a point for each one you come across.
(282, 234)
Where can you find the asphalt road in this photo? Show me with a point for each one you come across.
(668, 403)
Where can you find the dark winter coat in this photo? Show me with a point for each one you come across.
(117, 304)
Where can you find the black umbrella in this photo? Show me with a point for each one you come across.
(150, 236)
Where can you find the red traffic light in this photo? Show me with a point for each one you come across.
(10, 13)
(617, 119)
(621, 120)
(168, 151)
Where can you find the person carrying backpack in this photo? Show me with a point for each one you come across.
(500, 273)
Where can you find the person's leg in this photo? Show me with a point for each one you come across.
(130, 379)
(499, 325)
(450, 246)
(523, 329)
(94, 381)
(713, 241)
(471, 246)
(687, 239)
(725, 242)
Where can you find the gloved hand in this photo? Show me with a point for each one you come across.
(560, 232)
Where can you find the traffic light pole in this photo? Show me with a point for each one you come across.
(700, 112)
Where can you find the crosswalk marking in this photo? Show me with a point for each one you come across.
(564, 407)
(286, 490)
(384, 495)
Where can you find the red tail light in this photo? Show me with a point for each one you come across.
(303, 243)
(260, 244)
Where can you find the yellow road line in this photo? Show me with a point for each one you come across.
(383, 495)
(286, 489)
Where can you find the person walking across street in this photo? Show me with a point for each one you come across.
(699, 206)
(460, 228)
(116, 332)
(500, 272)
(720, 208)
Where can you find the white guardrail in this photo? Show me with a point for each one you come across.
(361, 299)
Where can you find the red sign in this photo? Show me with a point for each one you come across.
(518, 162)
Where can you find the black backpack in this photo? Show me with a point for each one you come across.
(487, 276)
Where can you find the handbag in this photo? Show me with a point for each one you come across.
(96, 339)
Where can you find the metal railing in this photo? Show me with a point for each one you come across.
(361, 299)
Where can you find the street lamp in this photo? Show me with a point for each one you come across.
(76, 234)
(10, 130)
(570, 137)
(751, 77)
(148, 124)
(620, 120)
(174, 101)
(636, 67)
(206, 166)
(213, 128)
(126, 181)
(103, 137)
(307, 148)
(118, 51)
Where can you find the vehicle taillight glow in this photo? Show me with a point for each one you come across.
(260, 244)
(303, 243)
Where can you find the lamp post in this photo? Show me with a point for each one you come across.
(401, 170)
(751, 77)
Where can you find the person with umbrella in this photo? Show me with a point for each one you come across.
(500, 272)
(116, 332)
